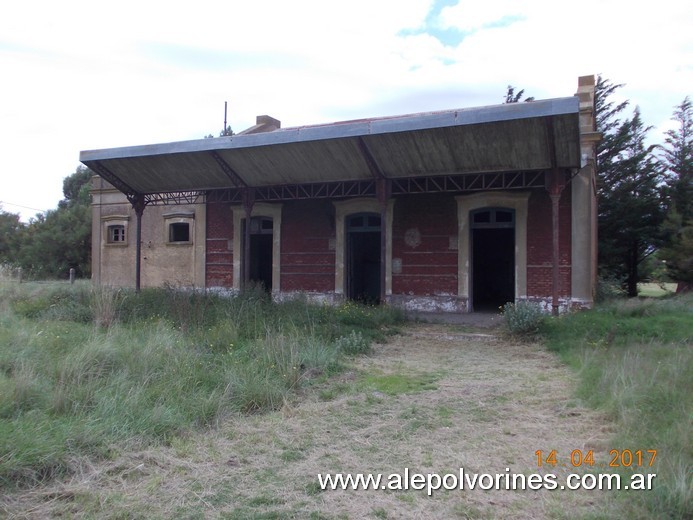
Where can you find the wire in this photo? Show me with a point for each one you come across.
(24, 207)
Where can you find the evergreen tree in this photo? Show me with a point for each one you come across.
(677, 157)
(628, 178)
(512, 97)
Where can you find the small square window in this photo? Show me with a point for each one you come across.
(179, 232)
(116, 234)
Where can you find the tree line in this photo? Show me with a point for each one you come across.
(644, 194)
(54, 242)
(645, 204)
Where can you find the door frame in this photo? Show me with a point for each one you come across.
(260, 209)
(519, 201)
(344, 209)
(349, 237)
(491, 225)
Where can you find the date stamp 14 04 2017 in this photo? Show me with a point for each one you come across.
(578, 458)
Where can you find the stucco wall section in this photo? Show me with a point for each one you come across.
(113, 264)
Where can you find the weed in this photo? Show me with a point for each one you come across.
(353, 343)
(522, 318)
(380, 513)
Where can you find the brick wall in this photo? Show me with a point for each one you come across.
(307, 250)
(424, 248)
(540, 244)
(219, 256)
(421, 240)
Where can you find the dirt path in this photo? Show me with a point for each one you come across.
(433, 400)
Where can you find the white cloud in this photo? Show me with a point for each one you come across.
(471, 15)
(82, 74)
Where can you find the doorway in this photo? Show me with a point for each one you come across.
(260, 261)
(363, 257)
(493, 258)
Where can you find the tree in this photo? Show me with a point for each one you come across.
(630, 211)
(511, 97)
(224, 133)
(10, 233)
(76, 187)
(53, 243)
(677, 157)
(607, 114)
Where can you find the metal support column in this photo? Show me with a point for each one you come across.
(555, 188)
(383, 189)
(138, 205)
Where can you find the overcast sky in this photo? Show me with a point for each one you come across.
(79, 75)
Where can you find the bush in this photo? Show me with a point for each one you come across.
(353, 343)
(522, 318)
(609, 288)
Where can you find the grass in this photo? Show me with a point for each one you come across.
(88, 372)
(394, 384)
(453, 402)
(656, 290)
(635, 362)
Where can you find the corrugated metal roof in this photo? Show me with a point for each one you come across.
(518, 136)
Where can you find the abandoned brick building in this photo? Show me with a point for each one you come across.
(456, 210)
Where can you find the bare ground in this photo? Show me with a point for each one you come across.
(486, 404)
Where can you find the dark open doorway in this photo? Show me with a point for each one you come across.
(363, 257)
(260, 261)
(493, 258)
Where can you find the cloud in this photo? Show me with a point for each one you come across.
(83, 74)
(470, 16)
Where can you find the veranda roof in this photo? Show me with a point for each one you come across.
(530, 136)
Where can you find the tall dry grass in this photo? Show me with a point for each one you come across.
(635, 359)
(83, 370)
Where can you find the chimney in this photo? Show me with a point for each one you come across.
(262, 124)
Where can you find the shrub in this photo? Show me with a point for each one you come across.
(609, 288)
(353, 343)
(523, 317)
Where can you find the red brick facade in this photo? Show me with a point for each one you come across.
(219, 254)
(307, 251)
(421, 233)
(424, 246)
(540, 245)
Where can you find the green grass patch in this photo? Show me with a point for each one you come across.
(656, 290)
(636, 363)
(394, 384)
(84, 370)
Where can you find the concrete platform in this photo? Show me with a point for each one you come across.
(484, 320)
